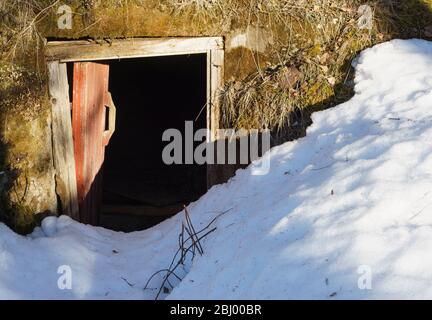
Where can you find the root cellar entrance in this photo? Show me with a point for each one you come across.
(151, 96)
(111, 105)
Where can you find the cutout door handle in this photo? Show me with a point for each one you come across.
(111, 109)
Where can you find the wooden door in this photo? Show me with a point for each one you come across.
(90, 99)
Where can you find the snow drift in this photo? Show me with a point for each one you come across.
(351, 200)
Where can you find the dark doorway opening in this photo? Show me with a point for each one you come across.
(151, 95)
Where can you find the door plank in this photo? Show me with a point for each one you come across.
(216, 174)
(90, 91)
(63, 151)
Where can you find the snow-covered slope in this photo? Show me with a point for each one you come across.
(349, 203)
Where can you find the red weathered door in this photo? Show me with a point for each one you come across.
(90, 99)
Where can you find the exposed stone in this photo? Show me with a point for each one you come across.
(288, 77)
(254, 38)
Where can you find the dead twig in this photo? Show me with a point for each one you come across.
(192, 229)
(128, 283)
(178, 264)
(189, 244)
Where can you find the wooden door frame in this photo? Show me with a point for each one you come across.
(58, 53)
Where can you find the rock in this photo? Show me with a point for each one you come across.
(253, 38)
(288, 77)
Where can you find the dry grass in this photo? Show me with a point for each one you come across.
(198, 4)
(319, 38)
(19, 20)
(257, 102)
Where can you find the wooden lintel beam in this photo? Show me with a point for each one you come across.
(81, 50)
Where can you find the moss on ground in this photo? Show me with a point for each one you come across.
(26, 182)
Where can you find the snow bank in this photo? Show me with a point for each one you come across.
(350, 201)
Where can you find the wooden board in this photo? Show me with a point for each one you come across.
(63, 152)
(142, 210)
(66, 51)
(215, 82)
(90, 95)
